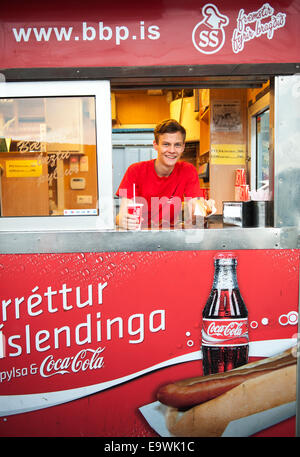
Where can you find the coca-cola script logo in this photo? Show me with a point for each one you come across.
(231, 329)
(209, 35)
(87, 359)
(222, 331)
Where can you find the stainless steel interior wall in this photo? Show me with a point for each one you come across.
(287, 151)
(287, 169)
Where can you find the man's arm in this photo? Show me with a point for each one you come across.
(189, 216)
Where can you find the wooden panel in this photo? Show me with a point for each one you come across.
(70, 195)
(24, 196)
(138, 108)
(222, 177)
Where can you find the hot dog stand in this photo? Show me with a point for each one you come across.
(94, 319)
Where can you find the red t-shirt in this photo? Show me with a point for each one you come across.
(161, 196)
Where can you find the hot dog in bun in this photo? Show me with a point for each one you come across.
(204, 207)
(204, 406)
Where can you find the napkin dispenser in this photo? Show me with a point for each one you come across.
(249, 214)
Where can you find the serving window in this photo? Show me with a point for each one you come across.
(228, 124)
(55, 155)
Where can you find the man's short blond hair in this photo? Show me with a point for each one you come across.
(168, 126)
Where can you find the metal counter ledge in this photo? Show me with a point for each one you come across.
(214, 237)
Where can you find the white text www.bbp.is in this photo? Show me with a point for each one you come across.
(101, 31)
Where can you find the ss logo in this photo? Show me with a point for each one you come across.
(208, 35)
(208, 39)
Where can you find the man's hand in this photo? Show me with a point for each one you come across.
(124, 220)
(194, 209)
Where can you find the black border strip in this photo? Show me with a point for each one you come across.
(127, 77)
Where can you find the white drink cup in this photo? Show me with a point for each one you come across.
(136, 210)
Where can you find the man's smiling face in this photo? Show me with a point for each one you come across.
(169, 149)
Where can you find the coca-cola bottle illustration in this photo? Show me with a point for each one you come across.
(225, 342)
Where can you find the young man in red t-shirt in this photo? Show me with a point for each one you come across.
(160, 184)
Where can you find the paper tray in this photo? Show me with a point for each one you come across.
(154, 413)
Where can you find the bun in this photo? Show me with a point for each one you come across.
(255, 395)
(202, 208)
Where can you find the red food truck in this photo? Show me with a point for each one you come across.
(106, 332)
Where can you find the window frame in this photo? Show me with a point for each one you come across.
(259, 159)
(101, 91)
(255, 110)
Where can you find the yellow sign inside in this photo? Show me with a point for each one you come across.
(228, 154)
(23, 169)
